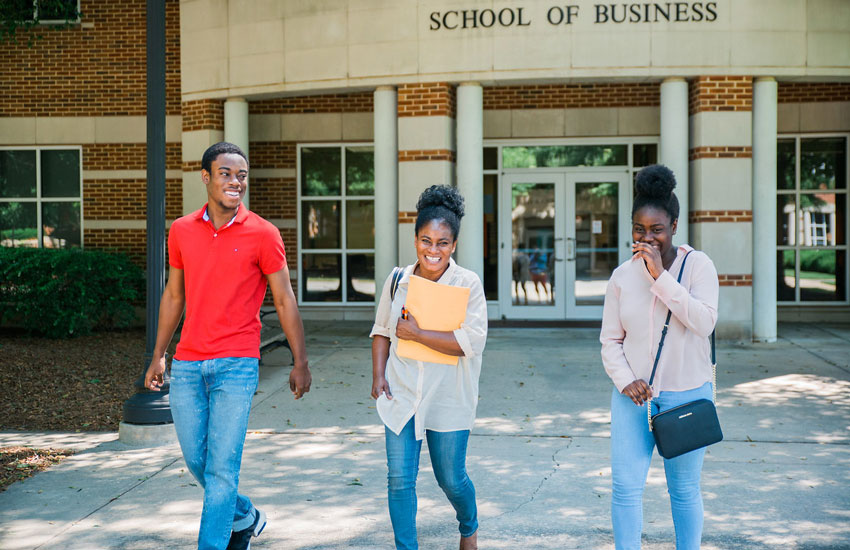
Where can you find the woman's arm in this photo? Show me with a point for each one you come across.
(697, 308)
(442, 341)
(611, 336)
(380, 354)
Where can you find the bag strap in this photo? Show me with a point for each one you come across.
(397, 273)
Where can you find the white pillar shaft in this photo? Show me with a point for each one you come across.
(764, 209)
(673, 151)
(470, 175)
(386, 185)
(236, 129)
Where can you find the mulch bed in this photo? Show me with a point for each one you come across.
(19, 463)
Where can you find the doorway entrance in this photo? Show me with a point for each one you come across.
(563, 233)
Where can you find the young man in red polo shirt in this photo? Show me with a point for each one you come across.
(222, 257)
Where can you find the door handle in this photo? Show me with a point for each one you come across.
(571, 249)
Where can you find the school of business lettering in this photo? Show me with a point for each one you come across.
(567, 14)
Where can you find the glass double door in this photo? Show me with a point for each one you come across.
(561, 237)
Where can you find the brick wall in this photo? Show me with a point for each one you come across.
(272, 154)
(361, 102)
(126, 199)
(129, 241)
(720, 152)
(720, 216)
(720, 93)
(203, 114)
(809, 92)
(126, 156)
(274, 197)
(567, 96)
(427, 99)
(82, 71)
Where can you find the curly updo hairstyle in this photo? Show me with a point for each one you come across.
(654, 187)
(440, 202)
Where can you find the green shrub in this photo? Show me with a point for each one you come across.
(821, 261)
(66, 293)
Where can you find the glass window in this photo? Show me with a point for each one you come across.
(491, 237)
(337, 223)
(554, 156)
(40, 198)
(491, 158)
(812, 219)
(644, 154)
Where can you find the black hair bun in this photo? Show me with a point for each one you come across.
(441, 195)
(656, 181)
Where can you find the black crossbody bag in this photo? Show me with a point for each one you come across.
(690, 426)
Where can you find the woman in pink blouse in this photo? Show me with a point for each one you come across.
(640, 293)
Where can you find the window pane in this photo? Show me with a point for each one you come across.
(60, 173)
(18, 224)
(823, 163)
(57, 10)
(320, 171)
(320, 224)
(361, 277)
(322, 274)
(786, 220)
(564, 155)
(785, 168)
(787, 283)
(17, 174)
(19, 10)
(491, 237)
(644, 154)
(360, 224)
(359, 171)
(491, 158)
(60, 222)
(596, 226)
(818, 281)
(823, 219)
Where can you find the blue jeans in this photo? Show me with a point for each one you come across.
(448, 458)
(631, 452)
(210, 403)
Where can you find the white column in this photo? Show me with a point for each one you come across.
(236, 129)
(764, 209)
(673, 151)
(470, 175)
(386, 184)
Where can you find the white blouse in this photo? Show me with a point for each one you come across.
(442, 398)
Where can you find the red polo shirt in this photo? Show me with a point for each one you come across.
(224, 276)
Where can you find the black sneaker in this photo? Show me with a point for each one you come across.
(241, 540)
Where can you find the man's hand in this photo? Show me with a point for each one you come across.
(300, 380)
(379, 386)
(638, 391)
(153, 376)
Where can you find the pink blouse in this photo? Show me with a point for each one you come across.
(636, 306)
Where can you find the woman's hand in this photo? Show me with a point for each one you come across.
(651, 257)
(638, 391)
(379, 386)
(407, 329)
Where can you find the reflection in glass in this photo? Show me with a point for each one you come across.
(322, 274)
(361, 277)
(644, 154)
(491, 237)
(822, 219)
(533, 238)
(60, 224)
(551, 156)
(17, 174)
(823, 163)
(18, 225)
(786, 220)
(786, 271)
(360, 224)
(785, 164)
(320, 224)
(818, 281)
(320, 171)
(60, 173)
(491, 158)
(596, 240)
(359, 171)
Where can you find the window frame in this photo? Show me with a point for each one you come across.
(797, 247)
(39, 199)
(342, 198)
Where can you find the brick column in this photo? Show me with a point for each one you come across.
(720, 161)
(426, 151)
(203, 125)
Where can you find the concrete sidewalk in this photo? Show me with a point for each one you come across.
(538, 457)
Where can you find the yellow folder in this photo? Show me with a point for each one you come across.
(435, 306)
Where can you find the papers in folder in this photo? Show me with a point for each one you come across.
(435, 306)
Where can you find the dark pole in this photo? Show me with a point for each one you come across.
(147, 407)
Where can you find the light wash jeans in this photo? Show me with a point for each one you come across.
(448, 458)
(631, 452)
(210, 403)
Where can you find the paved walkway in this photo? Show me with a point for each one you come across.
(538, 457)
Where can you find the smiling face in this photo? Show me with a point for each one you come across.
(226, 181)
(653, 226)
(434, 246)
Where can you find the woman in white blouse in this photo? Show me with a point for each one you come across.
(416, 399)
(640, 293)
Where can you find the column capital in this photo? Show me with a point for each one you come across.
(764, 79)
(235, 100)
(469, 83)
(674, 79)
(385, 88)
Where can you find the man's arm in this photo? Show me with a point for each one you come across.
(170, 311)
(290, 320)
